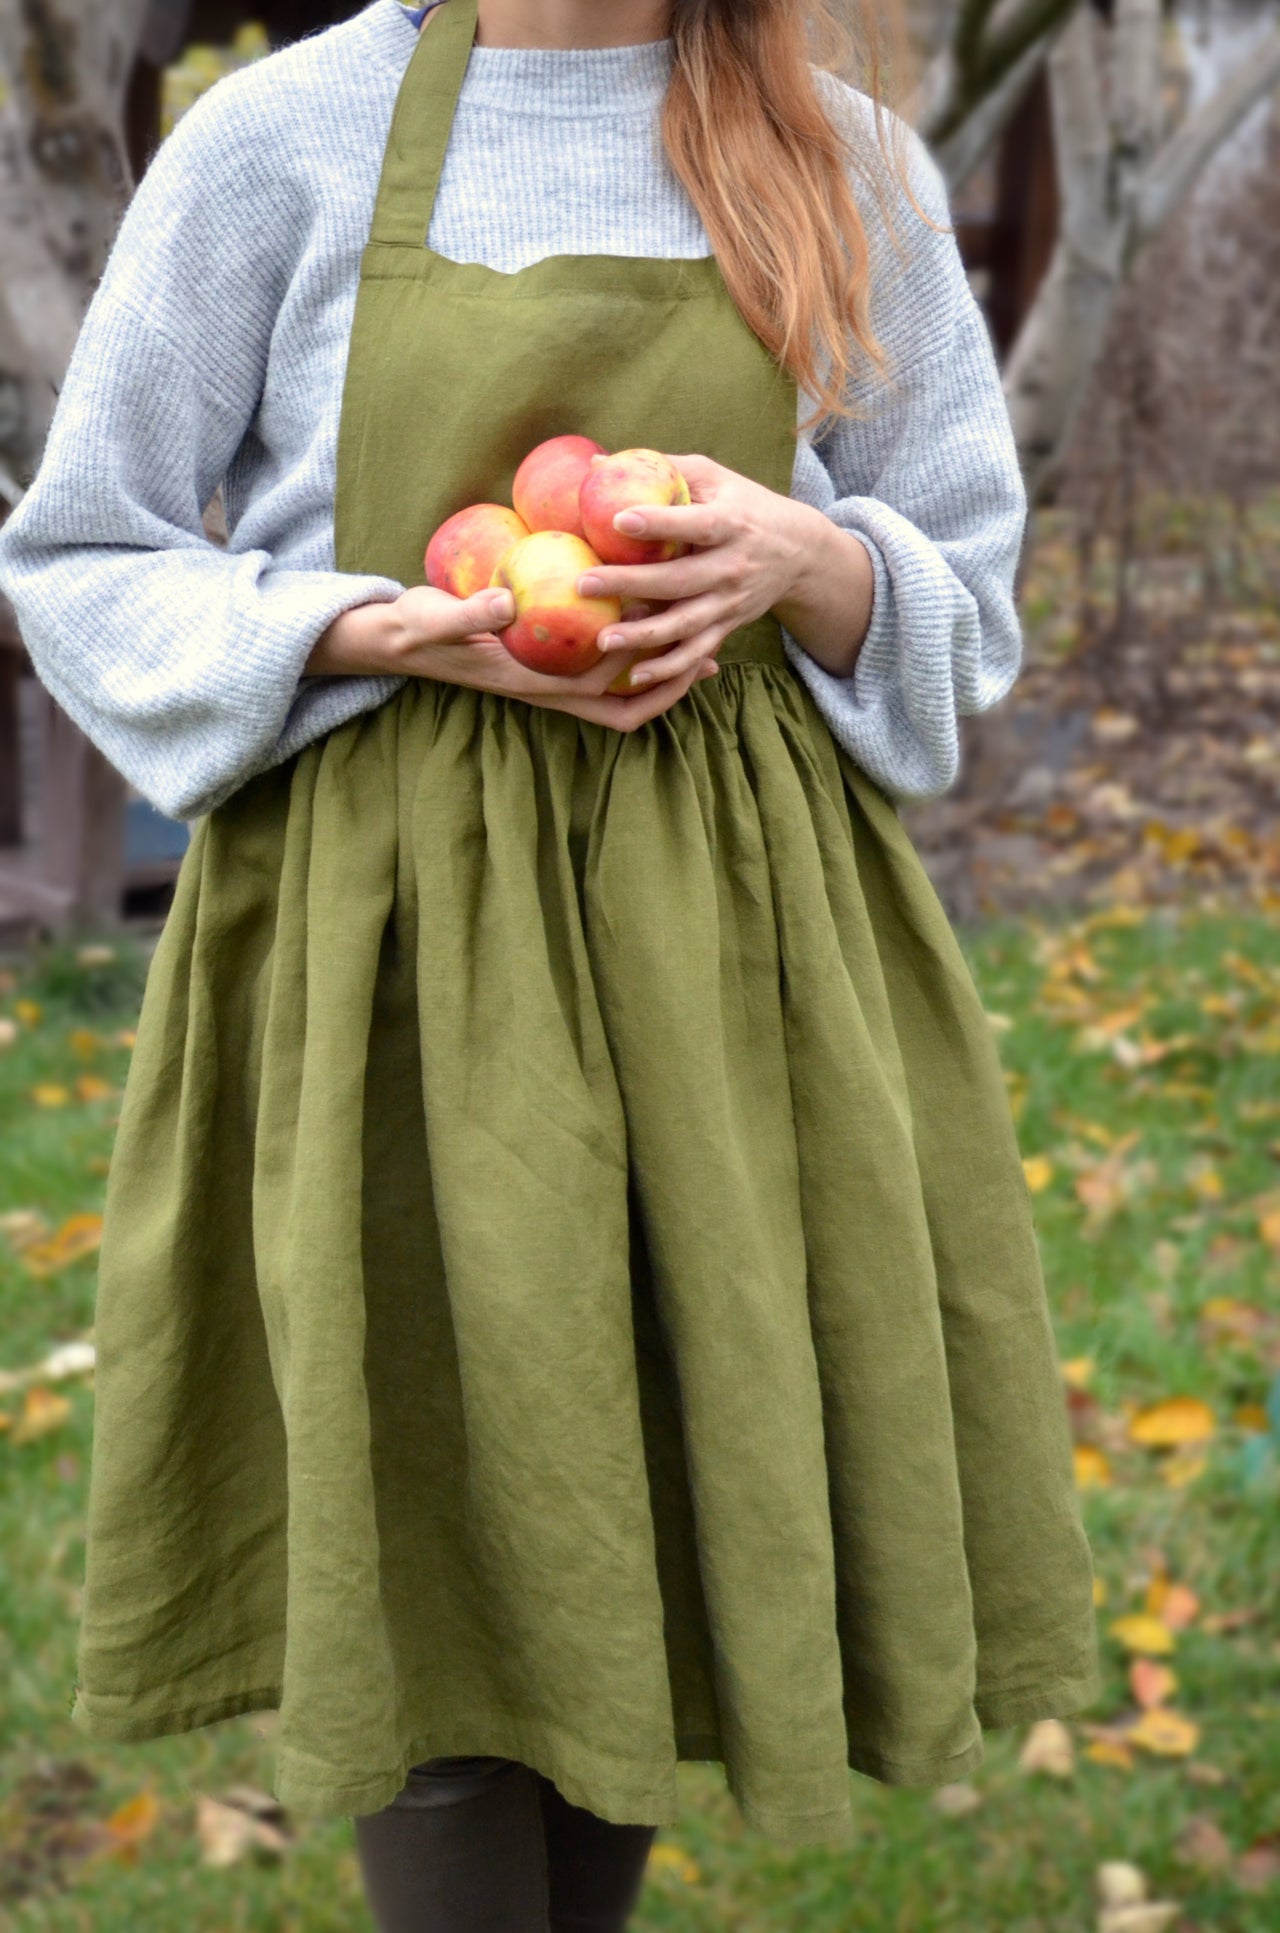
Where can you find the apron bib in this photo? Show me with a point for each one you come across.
(568, 1287)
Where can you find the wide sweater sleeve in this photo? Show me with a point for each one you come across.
(179, 659)
(927, 476)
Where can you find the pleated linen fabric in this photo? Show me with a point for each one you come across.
(568, 1287)
(617, 1334)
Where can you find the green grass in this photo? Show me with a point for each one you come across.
(1128, 1293)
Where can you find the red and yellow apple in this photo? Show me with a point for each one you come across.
(464, 552)
(629, 479)
(545, 490)
(634, 608)
(554, 629)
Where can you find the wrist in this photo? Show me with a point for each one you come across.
(828, 608)
(365, 640)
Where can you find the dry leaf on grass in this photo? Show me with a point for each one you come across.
(1141, 1632)
(1092, 1469)
(78, 1235)
(1203, 1843)
(1166, 1733)
(130, 1824)
(22, 1226)
(664, 1858)
(956, 1801)
(1148, 1916)
(242, 1821)
(42, 1412)
(1169, 1424)
(1110, 1751)
(1259, 1867)
(68, 1359)
(1048, 1748)
(1176, 1605)
(1150, 1683)
(1119, 1883)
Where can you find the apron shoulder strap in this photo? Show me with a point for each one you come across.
(420, 126)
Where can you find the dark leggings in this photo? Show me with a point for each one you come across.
(486, 1845)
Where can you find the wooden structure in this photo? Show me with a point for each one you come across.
(70, 867)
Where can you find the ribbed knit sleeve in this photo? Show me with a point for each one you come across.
(180, 660)
(928, 479)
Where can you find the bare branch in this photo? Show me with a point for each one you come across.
(1174, 169)
(961, 79)
(961, 152)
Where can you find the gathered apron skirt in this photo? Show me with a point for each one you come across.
(569, 1289)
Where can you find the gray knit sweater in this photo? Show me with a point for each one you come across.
(214, 351)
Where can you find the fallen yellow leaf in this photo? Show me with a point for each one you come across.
(28, 1012)
(1176, 1420)
(79, 1235)
(1077, 1370)
(1039, 1172)
(83, 1040)
(50, 1094)
(1269, 1229)
(43, 1410)
(672, 1859)
(1252, 1416)
(1166, 1733)
(1139, 1631)
(1092, 1470)
(92, 1087)
(1099, 1590)
(1110, 1751)
(131, 1823)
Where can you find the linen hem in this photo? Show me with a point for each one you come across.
(649, 1799)
(1023, 1704)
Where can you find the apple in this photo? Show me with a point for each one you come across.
(545, 490)
(554, 629)
(464, 552)
(626, 480)
(632, 609)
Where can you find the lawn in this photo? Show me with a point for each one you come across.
(1142, 1052)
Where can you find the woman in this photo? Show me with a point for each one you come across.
(569, 1299)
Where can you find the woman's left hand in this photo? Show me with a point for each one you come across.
(748, 551)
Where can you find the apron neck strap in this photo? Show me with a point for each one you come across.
(420, 126)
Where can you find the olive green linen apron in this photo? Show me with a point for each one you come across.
(569, 1289)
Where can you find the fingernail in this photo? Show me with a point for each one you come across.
(589, 587)
(502, 606)
(628, 520)
(610, 640)
(641, 677)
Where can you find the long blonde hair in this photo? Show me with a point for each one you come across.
(746, 131)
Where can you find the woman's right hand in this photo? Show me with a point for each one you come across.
(426, 633)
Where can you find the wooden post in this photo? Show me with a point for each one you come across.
(82, 812)
(10, 728)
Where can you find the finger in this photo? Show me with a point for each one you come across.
(672, 626)
(623, 713)
(697, 470)
(676, 662)
(688, 523)
(660, 583)
(464, 618)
